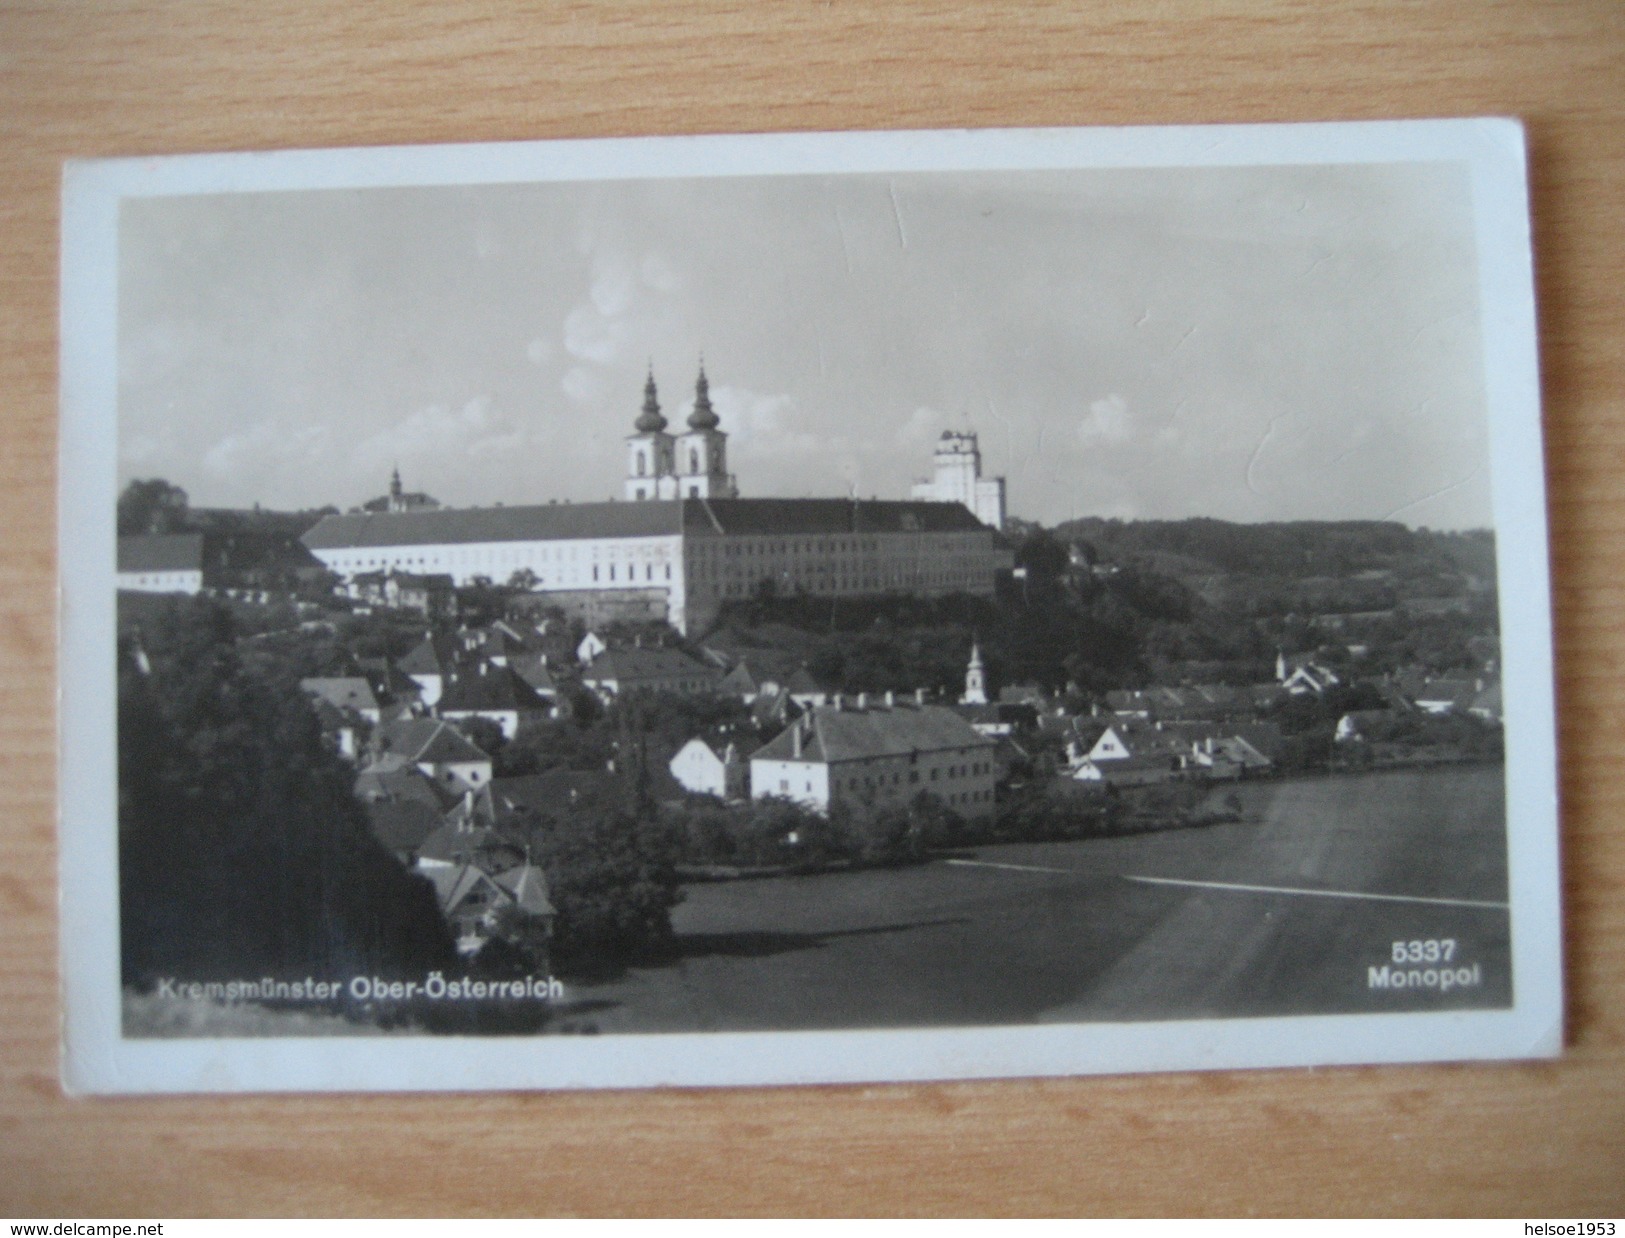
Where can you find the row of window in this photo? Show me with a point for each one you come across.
(695, 463)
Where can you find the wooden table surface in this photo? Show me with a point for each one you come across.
(1542, 1140)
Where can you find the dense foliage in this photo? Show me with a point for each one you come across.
(242, 851)
(611, 865)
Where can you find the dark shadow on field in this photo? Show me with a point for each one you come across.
(765, 944)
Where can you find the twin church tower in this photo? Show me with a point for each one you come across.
(693, 465)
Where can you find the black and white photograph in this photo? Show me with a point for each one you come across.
(800, 609)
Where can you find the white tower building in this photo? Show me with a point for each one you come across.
(958, 479)
(702, 453)
(650, 453)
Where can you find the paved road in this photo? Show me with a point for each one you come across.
(1280, 914)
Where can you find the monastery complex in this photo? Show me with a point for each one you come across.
(683, 542)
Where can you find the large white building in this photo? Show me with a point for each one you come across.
(862, 757)
(683, 545)
(958, 479)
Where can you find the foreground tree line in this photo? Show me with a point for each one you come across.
(243, 851)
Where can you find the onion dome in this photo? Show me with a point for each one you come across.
(650, 421)
(703, 417)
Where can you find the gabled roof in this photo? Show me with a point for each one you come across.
(387, 679)
(346, 692)
(402, 825)
(493, 689)
(532, 668)
(453, 883)
(831, 734)
(764, 517)
(1023, 694)
(405, 580)
(428, 657)
(426, 741)
(161, 552)
(449, 526)
(453, 843)
(392, 780)
(754, 669)
(550, 791)
(773, 708)
(526, 884)
(579, 521)
(643, 663)
(330, 716)
(802, 683)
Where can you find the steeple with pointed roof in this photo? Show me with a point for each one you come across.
(975, 678)
(702, 452)
(650, 421)
(650, 457)
(703, 417)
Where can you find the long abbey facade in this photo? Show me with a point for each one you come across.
(683, 543)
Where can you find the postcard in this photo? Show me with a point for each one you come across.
(804, 608)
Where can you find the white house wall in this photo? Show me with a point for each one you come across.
(160, 582)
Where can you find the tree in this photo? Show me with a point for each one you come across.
(612, 878)
(242, 851)
(151, 506)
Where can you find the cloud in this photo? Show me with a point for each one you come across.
(922, 429)
(263, 445)
(1108, 421)
(434, 433)
(539, 351)
(591, 336)
(585, 386)
(764, 426)
(659, 274)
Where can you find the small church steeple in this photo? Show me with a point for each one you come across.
(975, 678)
(703, 417)
(702, 450)
(649, 452)
(650, 421)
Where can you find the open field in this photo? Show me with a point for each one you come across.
(1295, 904)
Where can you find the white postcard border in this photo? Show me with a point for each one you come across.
(96, 1057)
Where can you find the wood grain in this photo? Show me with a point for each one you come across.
(105, 78)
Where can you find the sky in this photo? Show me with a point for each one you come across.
(1246, 343)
